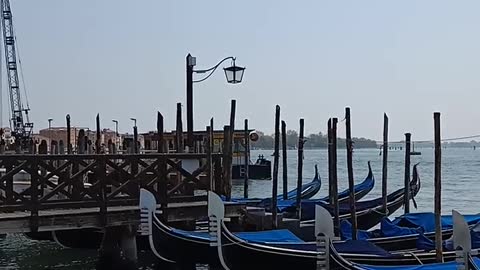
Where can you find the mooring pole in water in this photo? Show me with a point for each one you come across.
(438, 187)
(213, 184)
(231, 141)
(330, 159)
(246, 160)
(275, 168)
(301, 141)
(406, 196)
(227, 163)
(385, 162)
(336, 208)
(351, 183)
(284, 160)
(162, 167)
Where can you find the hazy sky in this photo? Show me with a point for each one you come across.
(126, 59)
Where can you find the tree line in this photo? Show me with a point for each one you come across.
(311, 141)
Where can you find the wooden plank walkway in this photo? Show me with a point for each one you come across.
(82, 218)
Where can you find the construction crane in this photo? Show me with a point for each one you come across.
(19, 122)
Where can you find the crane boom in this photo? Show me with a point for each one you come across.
(22, 128)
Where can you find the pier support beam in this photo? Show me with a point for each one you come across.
(128, 243)
(118, 249)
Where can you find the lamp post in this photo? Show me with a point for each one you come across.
(116, 133)
(50, 133)
(233, 74)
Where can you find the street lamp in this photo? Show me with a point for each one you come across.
(116, 133)
(134, 121)
(233, 74)
(50, 132)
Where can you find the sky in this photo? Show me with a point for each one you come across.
(126, 59)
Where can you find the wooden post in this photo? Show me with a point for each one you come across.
(161, 140)
(246, 161)
(351, 183)
(284, 160)
(162, 180)
(385, 162)
(438, 187)
(179, 130)
(98, 139)
(210, 157)
(135, 140)
(69, 134)
(301, 141)
(336, 207)
(330, 159)
(275, 168)
(233, 107)
(231, 139)
(227, 165)
(406, 196)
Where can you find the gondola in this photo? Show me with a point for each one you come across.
(463, 246)
(370, 213)
(361, 190)
(308, 190)
(233, 250)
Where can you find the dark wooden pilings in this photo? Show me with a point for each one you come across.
(210, 150)
(246, 160)
(227, 165)
(69, 135)
(301, 141)
(179, 130)
(284, 160)
(330, 159)
(406, 197)
(336, 208)
(98, 142)
(162, 167)
(332, 172)
(135, 140)
(438, 187)
(233, 107)
(351, 183)
(385, 162)
(189, 78)
(275, 167)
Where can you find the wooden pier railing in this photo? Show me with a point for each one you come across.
(44, 182)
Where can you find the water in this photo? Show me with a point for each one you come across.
(460, 167)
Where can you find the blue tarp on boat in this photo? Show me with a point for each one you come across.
(427, 244)
(360, 247)
(414, 223)
(426, 221)
(434, 266)
(271, 236)
(346, 231)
